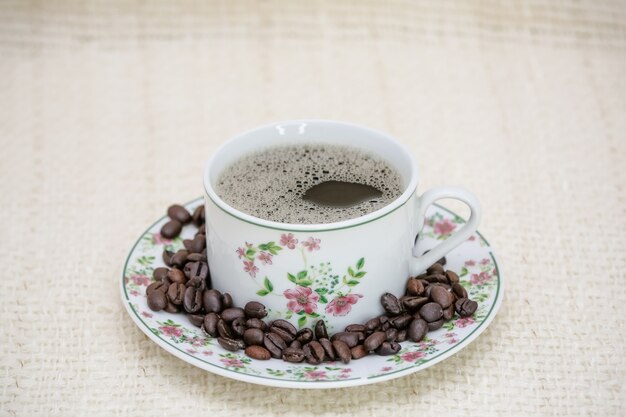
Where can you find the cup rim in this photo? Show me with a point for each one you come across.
(310, 227)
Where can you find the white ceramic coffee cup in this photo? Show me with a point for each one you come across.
(334, 271)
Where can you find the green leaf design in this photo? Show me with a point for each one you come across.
(323, 299)
(291, 278)
(262, 293)
(352, 283)
(302, 274)
(314, 315)
(321, 291)
(263, 246)
(301, 321)
(350, 271)
(250, 254)
(304, 282)
(360, 274)
(360, 263)
(288, 314)
(464, 272)
(268, 285)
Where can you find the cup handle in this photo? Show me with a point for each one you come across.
(421, 263)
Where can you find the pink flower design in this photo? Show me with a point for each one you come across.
(315, 374)
(386, 368)
(412, 356)
(301, 298)
(479, 279)
(250, 268)
(157, 239)
(311, 244)
(171, 331)
(134, 293)
(196, 341)
(341, 306)
(494, 272)
(464, 322)
(241, 252)
(471, 238)
(232, 362)
(452, 341)
(146, 314)
(343, 376)
(485, 261)
(207, 352)
(444, 227)
(265, 257)
(192, 351)
(140, 280)
(288, 240)
(471, 262)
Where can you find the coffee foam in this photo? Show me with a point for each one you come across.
(269, 184)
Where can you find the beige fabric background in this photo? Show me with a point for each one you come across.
(108, 111)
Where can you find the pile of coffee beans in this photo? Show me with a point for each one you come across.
(185, 285)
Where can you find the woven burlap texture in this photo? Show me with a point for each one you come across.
(109, 110)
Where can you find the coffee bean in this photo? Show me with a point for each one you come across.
(293, 355)
(157, 300)
(435, 269)
(232, 313)
(275, 344)
(417, 330)
(414, 287)
(328, 349)
(228, 344)
(187, 244)
(392, 334)
(253, 336)
(383, 319)
(223, 329)
(159, 273)
(198, 216)
(197, 245)
(209, 324)
(176, 293)
(391, 304)
(402, 321)
(212, 301)
(256, 324)
(196, 319)
(459, 290)
(167, 255)
(350, 339)
(179, 213)
(179, 259)
(285, 325)
(374, 340)
(402, 334)
(227, 300)
(465, 307)
(388, 348)
(304, 336)
(453, 278)
(434, 325)
(361, 336)
(342, 350)
(284, 334)
(171, 229)
(314, 352)
(238, 327)
(171, 308)
(413, 303)
(372, 324)
(448, 313)
(431, 312)
(177, 276)
(157, 286)
(197, 270)
(196, 257)
(254, 309)
(436, 278)
(258, 353)
(386, 325)
(441, 296)
(320, 330)
(296, 344)
(358, 352)
(192, 301)
(356, 328)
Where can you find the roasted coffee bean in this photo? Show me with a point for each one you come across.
(320, 330)
(232, 313)
(196, 257)
(358, 352)
(361, 337)
(453, 278)
(255, 310)
(253, 336)
(171, 308)
(417, 330)
(171, 229)
(304, 336)
(176, 275)
(465, 307)
(448, 313)
(275, 344)
(238, 327)
(227, 300)
(314, 352)
(159, 273)
(414, 287)
(356, 328)
(228, 344)
(434, 325)
(157, 300)
(192, 301)
(196, 319)
(258, 353)
(386, 325)
(374, 340)
(296, 344)
(212, 301)
(256, 324)
(402, 321)
(401, 336)
(223, 329)
(392, 334)
(293, 355)
(459, 290)
(284, 334)
(179, 213)
(388, 348)
(391, 304)
(328, 349)
(197, 245)
(176, 293)
(157, 286)
(440, 278)
(179, 259)
(285, 325)
(441, 296)
(198, 283)
(209, 325)
(383, 319)
(187, 244)
(414, 303)
(342, 350)
(167, 255)
(431, 312)
(435, 269)
(350, 339)
(372, 324)
(198, 216)
(197, 270)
